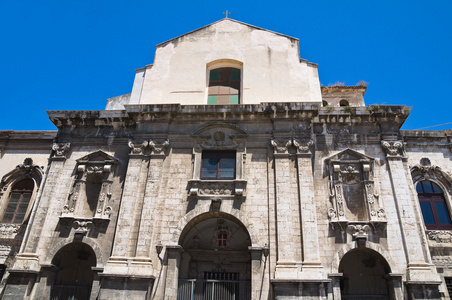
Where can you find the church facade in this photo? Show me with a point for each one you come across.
(228, 172)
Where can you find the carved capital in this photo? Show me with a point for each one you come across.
(281, 145)
(158, 148)
(393, 148)
(137, 149)
(304, 147)
(61, 149)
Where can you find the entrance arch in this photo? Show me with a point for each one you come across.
(74, 277)
(216, 263)
(364, 275)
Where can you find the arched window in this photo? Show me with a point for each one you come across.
(433, 205)
(224, 86)
(343, 103)
(18, 202)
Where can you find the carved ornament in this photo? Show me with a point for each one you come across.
(217, 188)
(349, 171)
(393, 148)
(157, 148)
(61, 149)
(303, 146)
(440, 236)
(137, 149)
(281, 145)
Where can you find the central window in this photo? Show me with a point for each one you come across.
(218, 165)
(224, 86)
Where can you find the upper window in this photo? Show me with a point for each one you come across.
(218, 165)
(224, 86)
(433, 205)
(19, 200)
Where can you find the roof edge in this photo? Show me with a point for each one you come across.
(246, 24)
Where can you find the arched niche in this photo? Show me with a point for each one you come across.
(364, 275)
(216, 257)
(74, 276)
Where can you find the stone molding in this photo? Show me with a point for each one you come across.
(425, 170)
(9, 230)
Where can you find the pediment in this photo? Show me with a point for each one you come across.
(220, 136)
(349, 155)
(225, 24)
(98, 156)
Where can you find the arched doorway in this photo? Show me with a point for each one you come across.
(74, 276)
(216, 263)
(364, 275)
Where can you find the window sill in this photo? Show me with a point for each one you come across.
(439, 238)
(217, 188)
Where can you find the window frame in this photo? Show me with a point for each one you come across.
(433, 198)
(220, 156)
(29, 192)
(224, 63)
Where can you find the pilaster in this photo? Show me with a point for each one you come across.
(311, 268)
(289, 242)
(418, 268)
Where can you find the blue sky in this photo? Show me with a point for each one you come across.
(73, 55)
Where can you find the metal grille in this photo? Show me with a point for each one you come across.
(449, 285)
(215, 286)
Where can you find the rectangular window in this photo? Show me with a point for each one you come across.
(224, 86)
(218, 165)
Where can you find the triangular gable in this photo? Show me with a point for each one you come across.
(97, 156)
(349, 154)
(224, 20)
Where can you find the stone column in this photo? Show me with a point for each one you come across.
(311, 268)
(173, 256)
(289, 246)
(415, 247)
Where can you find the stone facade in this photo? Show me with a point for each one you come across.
(279, 197)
